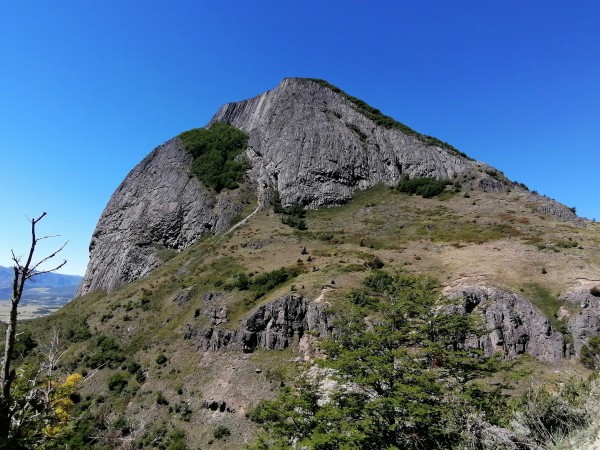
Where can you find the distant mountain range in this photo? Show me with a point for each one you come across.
(50, 288)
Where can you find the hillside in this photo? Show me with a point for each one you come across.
(178, 323)
(201, 301)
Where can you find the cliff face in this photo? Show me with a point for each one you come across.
(315, 146)
(308, 141)
(160, 205)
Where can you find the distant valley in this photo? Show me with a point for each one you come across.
(45, 294)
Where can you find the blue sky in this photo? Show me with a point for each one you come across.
(89, 88)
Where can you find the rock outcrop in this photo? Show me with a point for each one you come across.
(586, 323)
(515, 325)
(159, 205)
(273, 326)
(315, 146)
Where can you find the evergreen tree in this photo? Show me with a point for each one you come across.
(404, 376)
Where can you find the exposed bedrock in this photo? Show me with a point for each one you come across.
(273, 326)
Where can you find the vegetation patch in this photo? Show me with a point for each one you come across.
(262, 283)
(215, 152)
(406, 359)
(292, 216)
(426, 187)
(549, 305)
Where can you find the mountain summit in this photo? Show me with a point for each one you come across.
(307, 143)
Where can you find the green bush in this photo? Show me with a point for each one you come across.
(117, 382)
(424, 186)
(221, 432)
(215, 150)
(264, 282)
(293, 216)
(406, 377)
(106, 352)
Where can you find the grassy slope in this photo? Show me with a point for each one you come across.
(480, 238)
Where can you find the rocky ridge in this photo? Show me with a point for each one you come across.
(515, 326)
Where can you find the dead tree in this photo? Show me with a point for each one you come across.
(22, 272)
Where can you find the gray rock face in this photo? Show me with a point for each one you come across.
(160, 204)
(586, 323)
(273, 326)
(316, 148)
(515, 325)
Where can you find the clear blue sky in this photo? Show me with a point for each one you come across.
(89, 88)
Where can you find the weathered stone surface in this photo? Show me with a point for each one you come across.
(516, 326)
(315, 148)
(273, 326)
(586, 323)
(160, 204)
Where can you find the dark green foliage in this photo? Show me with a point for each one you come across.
(264, 282)
(590, 353)
(160, 438)
(214, 151)
(24, 344)
(387, 122)
(161, 399)
(221, 432)
(406, 378)
(424, 186)
(293, 216)
(374, 262)
(117, 381)
(106, 352)
(77, 330)
(161, 359)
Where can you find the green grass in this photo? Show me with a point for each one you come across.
(549, 305)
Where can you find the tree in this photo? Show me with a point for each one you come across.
(23, 272)
(403, 376)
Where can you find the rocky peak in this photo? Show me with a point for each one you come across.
(315, 145)
(309, 141)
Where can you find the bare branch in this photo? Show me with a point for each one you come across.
(48, 237)
(43, 260)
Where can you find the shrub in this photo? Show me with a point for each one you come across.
(215, 150)
(161, 359)
(424, 186)
(374, 262)
(264, 282)
(107, 352)
(221, 432)
(160, 399)
(595, 291)
(117, 382)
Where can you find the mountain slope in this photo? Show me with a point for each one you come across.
(308, 142)
(209, 346)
